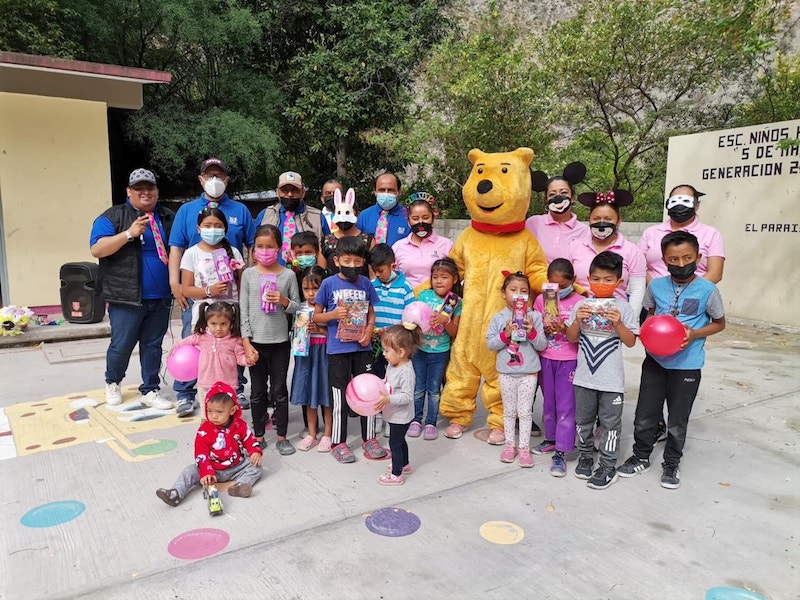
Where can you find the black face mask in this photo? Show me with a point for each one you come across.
(681, 214)
(291, 204)
(350, 273)
(327, 202)
(682, 273)
(345, 225)
(422, 229)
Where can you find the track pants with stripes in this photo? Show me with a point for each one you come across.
(341, 370)
(594, 405)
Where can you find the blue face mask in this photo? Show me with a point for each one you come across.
(212, 236)
(565, 292)
(386, 201)
(308, 260)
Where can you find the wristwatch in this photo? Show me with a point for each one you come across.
(128, 235)
(208, 291)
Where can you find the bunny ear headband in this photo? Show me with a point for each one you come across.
(344, 208)
(427, 197)
(614, 197)
(573, 174)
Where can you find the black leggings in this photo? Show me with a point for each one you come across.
(272, 366)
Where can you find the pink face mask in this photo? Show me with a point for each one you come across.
(265, 256)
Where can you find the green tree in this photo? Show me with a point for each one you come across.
(37, 27)
(630, 74)
(776, 94)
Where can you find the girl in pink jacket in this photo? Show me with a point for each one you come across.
(219, 340)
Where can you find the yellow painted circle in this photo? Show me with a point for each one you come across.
(501, 532)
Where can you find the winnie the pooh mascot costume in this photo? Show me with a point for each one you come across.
(497, 195)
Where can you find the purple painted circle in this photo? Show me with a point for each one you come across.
(393, 522)
(198, 543)
(732, 593)
(52, 514)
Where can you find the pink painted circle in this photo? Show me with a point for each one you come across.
(198, 543)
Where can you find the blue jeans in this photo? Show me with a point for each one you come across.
(429, 374)
(145, 325)
(188, 389)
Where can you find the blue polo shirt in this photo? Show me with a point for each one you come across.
(241, 227)
(282, 217)
(698, 303)
(398, 222)
(155, 274)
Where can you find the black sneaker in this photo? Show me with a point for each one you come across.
(661, 432)
(244, 401)
(584, 468)
(670, 476)
(186, 407)
(603, 477)
(634, 466)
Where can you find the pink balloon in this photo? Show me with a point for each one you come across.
(419, 313)
(363, 392)
(662, 335)
(183, 363)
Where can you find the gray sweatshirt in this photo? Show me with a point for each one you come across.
(401, 408)
(518, 358)
(261, 327)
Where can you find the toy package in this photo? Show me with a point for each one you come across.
(353, 326)
(269, 283)
(550, 308)
(449, 304)
(520, 309)
(222, 264)
(301, 335)
(599, 324)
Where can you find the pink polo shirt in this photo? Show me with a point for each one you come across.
(709, 238)
(415, 261)
(554, 237)
(582, 252)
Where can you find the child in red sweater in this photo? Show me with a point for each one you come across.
(221, 450)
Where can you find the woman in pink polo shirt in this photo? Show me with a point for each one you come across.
(559, 225)
(682, 205)
(604, 220)
(415, 253)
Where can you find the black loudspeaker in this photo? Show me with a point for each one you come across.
(80, 300)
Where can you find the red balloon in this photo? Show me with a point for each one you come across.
(363, 392)
(184, 362)
(662, 335)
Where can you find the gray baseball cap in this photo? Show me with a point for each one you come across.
(140, 176)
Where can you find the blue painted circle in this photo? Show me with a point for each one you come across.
(52, 514)
(393, 522)
(732, 593)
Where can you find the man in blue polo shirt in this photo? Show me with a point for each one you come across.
(129, 241)
(291, 214)
(386, 219)
(214, 177)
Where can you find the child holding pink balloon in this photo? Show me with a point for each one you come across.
(674, 377)
(431, 361)
(400, 342)
(517, 343)
(217, 337)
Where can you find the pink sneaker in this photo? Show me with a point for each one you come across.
(508, 454)
(496, 437)
(454, 431)
(430, 433)
(324, 444)
(525, 458)
(406, 469)
(307, 443)
(389, 479)
(414, 430)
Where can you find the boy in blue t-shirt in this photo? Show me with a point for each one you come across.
(394, 294)
(697, 304)
(341, 298)
(600, 325)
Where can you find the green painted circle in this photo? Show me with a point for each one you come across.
(159, 447)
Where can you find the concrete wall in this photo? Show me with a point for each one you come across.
(752, 187)
(54, 180)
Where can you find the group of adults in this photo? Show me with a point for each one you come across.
(140, 243)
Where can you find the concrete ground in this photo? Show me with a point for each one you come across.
(733, 522)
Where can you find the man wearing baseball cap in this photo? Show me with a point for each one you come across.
(134, 279)
(214, 178)
(291, 214)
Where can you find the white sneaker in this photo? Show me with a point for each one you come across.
(154, 399)
(113, 395)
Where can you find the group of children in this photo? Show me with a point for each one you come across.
(351, 325)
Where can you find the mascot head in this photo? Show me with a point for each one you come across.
(498, 191)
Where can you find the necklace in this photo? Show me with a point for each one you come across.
(678, 289)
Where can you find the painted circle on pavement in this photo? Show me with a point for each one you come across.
(392, 522)
(501, 532)
(731, 593)
(53, 513)
(198, 543)
(159, 447)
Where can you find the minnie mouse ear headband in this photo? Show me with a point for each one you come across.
(573, 174)
(425, 197)
(697, 193)
(221, 388)
(616, 198)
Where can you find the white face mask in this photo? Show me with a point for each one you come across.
(214, 187)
